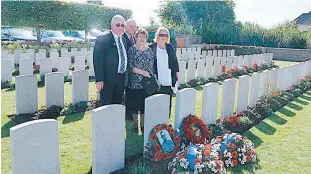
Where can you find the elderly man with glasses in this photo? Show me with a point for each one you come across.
(110, 63)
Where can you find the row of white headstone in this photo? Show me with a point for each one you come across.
(212, 67)
(196, 53)
(27, 90)
(30, 54)
(47, 64)
(30, 140)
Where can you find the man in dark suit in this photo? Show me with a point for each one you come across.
(110, 63)
(130, 32)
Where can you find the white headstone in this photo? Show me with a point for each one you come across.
(204, 54)
(63, 65)
(46, 66)
(235, 61)
(229, 53)
(17, 56)
(200, 70)
(219, 53)
(6, 70)
(255, 88)
(228, 97)
(243, 92)
(79, 62)
(42, 51)
(245, 61)
(191, 70)
(240, 61)
(38, 57)
(185, 56)
(89, 57)
(210, 103)
(178, 50)
(54, 89)
(74, 51)
(26, 56)
(215, 53)
(185, 105)
(209, 68)
(216, 71)
(54, 58)
(210, 53)
(224, 53)
(66, 54)
(183, 50)
(26, 94)
(108, 139)
(250, 61)
(35, 147)
(63, 50)
(274, 80)
(265, 79)
(156, 112)
(191, 55)
(80, 86)
(91, 70)
(84, 52)
(25, 66)
(229, 63)
(53, 50)
(182, 71)
(232, 53)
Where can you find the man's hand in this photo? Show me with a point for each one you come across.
(99, 86)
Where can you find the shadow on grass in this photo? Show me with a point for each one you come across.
(301, 101)
(306, 97)
(256, 140)
(250, 168)
(265, 128)
(276, 119)
(5, 129)
(287, 112)
(73, 118)
(294, 106)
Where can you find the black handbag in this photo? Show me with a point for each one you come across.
(150, 85)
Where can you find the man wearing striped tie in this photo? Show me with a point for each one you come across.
(110, 63)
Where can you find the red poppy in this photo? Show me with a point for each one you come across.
(235, 69)
(235, 162)
(164, 156)
(177, 148)
(248, 159)
(164, 126)
(173, 154)
(198, 160)
(177, 139)
(157, 129)
(234, 155)
(223, 68)
(207, 152)
(208, 146)
(157, 156)
(172, 131)
(154, 137)
(157, 147)
(218, 140)
(255, 65)
(229, 73)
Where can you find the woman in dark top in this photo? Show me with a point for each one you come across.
(166, 63)
(141, 64)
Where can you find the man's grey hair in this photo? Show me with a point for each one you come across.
(130, 21)
(114, 18)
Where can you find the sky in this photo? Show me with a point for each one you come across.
(266, 13)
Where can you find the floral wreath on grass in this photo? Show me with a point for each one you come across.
(164, 142)
(195, 130)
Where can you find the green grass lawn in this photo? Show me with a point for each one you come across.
(282, 140)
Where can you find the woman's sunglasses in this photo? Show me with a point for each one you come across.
(120, 25)
(163, 35)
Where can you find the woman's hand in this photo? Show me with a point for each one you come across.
(146, 74)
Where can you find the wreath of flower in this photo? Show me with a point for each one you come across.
(156, 151)
(195, 130)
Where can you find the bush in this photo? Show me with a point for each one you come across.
(41, 82)
(15, 72)
(139, 167)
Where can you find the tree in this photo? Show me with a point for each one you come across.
(57, 15)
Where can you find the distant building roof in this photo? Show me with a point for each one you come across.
(304, 19)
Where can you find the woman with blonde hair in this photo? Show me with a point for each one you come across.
(165, 63)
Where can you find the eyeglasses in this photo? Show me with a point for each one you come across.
(120, 25)
(163, 35)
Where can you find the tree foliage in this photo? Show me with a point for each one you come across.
(58, 15)
(215, 22)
